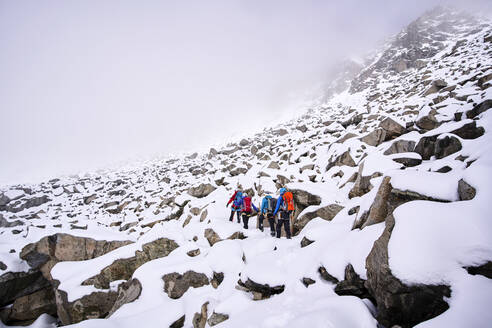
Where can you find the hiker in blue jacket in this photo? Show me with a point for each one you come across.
(284, 219)
(267, 208)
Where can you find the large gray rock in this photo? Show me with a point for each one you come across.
(4, 223)
(374, 138)
(479, 109)
(397, 303)
(25, 203)
(202, 190)
(200, 318)
(14, 285)
(343, 159)
(362, 184)
(465, 191)
(100, 304)
(29, 307)
(326, 213)
(400, 146)
(352, 284)
(392, 128)
(428, 122)
(446, 146)
(260, 291)
(435, 87)
(49, 250)
(469, 131)
(123, 268)
(176, 284)
(217, 318)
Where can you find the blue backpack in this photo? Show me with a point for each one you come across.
(238, 201)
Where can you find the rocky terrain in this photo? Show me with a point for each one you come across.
(392, 183)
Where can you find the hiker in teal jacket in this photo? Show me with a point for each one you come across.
(267, 208)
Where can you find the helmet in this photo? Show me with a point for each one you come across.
(282, 191)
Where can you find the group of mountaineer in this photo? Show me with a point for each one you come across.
(243, 206)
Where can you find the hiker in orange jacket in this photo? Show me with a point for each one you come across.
(285, 204)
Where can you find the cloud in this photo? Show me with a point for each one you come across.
(85, 84)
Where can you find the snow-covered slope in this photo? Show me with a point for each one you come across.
(392, 183)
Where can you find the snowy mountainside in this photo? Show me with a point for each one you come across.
(391, 181)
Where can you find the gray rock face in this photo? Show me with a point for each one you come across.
(4, 223)
(27, 308)
(23, 204)
(469, 131)
(374, 138)
(97, 304)
(397, 303)
(326, 213)
(446, 146)
(479, 109)
(352, 284)
(217, 318)
(392, 128)
(260, 291)
(123, 268)
(48, 251)
(14, 285)
(465, 191)
(175, 284)
(400, 146)
(202, 190)
(343, 159)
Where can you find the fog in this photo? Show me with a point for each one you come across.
(90, 84)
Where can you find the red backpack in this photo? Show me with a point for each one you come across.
(288, 201)
(247, 204)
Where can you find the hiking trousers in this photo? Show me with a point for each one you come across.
(246, 219)
(271, 221)
(284, 221)
(238, 216)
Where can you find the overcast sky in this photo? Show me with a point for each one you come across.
(87, 84)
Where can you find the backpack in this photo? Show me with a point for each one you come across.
(288, 204)
(247, 204)
(238, 200)
(272, 203)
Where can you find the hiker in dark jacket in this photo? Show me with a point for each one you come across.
(237, 202)
(285, 205)
(247, 209)
(267, 207)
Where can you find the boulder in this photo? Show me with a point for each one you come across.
(95, 305)
(260, 291)
(217, 318)
(362, 184)
(29, 307)
(346, 137)
(243, 142)
(479, 109)
(202, 190)
(308, 282)
(352, 284)
(123, 268)
(355, 119)
(25, 203)
(408, 161)
(211, 236)
(306, 242)
(178, 323)
(49, 250)
(280, 132)
(302, 128)
(176, 284)
(425, 147)
(274, 165)
(326, 213)
(89, 199)
(392, 128)
(400, 146)
(326, 276)
(7, 197)
(483, 269)
(200, 319)
(435, 87)
(374, 138)
(465, 191)
(4, 223)
(397, 303)
(14, 285)
(469, 131)
(343, 159)
(429, 121)
(446, 146)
